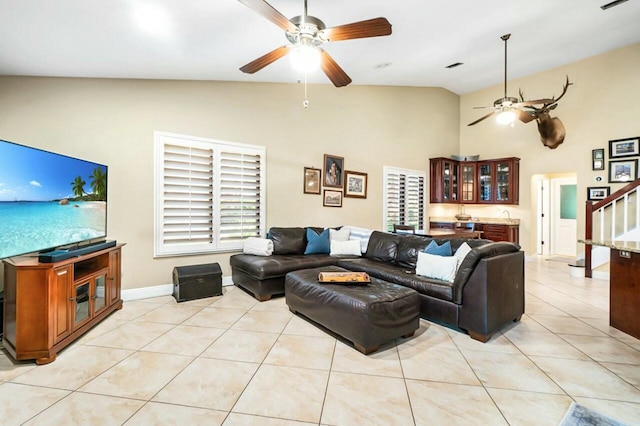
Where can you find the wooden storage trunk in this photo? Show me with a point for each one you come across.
(197, 281)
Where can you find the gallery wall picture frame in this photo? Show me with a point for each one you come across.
(355, 184)
(333, 171)
(628, 147)
(332, 198)
(623, 171)
(597, 159)
(312, 180)
(595, 193)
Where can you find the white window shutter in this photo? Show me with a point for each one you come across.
(393, 191)
(209, 194)
(240, 196)
(414, 201)
(404, 198)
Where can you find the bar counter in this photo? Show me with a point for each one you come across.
(624, 284)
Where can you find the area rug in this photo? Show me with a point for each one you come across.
(579, 415)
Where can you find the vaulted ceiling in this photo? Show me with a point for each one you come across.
(211, 39)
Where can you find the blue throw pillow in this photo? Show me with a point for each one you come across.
(318, 244)
(443, 250)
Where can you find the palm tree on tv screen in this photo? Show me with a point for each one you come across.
(99, 184)
(77, 186)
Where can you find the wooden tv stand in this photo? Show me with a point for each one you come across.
(47, 306)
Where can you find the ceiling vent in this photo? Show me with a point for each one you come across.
(612, 4)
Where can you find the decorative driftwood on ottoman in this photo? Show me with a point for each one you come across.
(367, 315)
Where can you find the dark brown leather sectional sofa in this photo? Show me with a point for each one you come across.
(486, 294)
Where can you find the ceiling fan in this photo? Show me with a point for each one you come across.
(507, 107)
(306, 33)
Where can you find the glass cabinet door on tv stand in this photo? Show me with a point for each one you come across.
(89, 298)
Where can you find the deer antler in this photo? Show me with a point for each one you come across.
(531, 107)
(555, 101)
(547, 106)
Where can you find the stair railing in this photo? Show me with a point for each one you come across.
(607, 209)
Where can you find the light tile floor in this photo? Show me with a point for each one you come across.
(231, 360)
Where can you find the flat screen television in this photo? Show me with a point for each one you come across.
(49, 201)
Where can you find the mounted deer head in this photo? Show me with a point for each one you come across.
(551, 129)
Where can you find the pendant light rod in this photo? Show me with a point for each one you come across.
(505, 38)
(305, 8)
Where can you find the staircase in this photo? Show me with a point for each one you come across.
(616, 217)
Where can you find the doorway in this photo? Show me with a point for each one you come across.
(556, 214)
(564, 220)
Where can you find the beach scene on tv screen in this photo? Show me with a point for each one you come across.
(48, 200)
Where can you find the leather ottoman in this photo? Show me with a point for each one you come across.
(367, 315)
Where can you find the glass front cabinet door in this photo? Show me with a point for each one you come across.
(502, 181)
(89, 298)
(444, 180)
(81, 297)
(100, 296)
(468, 182)
(485, 182)
(507, 177)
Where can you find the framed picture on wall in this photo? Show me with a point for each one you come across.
(332, 198)
(597, 159)
(629, 147)
(623, 171)
(333, 169)
(595, 193)
(312, 179)
(355, 184)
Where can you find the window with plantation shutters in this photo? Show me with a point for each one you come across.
(404, 198)
(209, 194)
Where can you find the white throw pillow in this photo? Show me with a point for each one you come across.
(461, 253)
(339, 234)
(339, 248)
(360, 234)
(438, 267)
(258, 246)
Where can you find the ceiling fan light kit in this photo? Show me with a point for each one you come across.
(305, 54)
(305, 58)
(506, 116)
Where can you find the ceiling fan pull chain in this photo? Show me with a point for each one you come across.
(305, 102)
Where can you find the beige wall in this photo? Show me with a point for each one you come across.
(112, 122)
(602, 104)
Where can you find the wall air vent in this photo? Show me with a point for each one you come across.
(612, 4)
(457, 64)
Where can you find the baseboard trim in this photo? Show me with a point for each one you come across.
(157, 291)
(600, 275)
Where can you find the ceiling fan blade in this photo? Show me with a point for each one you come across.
(264, 9)
(338, 77)
(482, 118)
(524, 116)
(370, 28)
(534, 102)
(264, 60)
